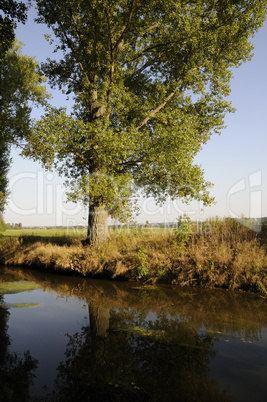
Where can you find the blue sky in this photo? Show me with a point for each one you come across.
(235, 162)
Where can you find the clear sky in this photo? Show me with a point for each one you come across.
(235, 162)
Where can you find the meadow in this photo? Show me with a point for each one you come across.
(217, 253)
(50, 232)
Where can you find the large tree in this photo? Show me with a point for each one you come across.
(149, 81)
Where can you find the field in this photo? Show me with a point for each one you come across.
(54, 232)
(218, 253)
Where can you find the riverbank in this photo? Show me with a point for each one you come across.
(219, 253)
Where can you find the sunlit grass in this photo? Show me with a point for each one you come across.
(53, 232)
(220, 253)
(72, 232)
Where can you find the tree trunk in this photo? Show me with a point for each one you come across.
(97, 225)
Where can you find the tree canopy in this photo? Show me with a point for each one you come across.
(149, 81)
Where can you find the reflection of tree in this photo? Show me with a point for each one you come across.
(124, 356)
(99, 325)
(16, 373)
(231, 312)
(99, 319)
(158, 361)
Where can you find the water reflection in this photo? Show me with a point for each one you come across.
(146, 343)
(16, 372)
(129, 363)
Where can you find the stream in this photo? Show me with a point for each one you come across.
(66, 338)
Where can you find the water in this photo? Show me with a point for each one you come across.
(75, 339)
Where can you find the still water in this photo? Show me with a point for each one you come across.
(74, 339)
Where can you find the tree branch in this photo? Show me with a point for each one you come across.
(155, 47)
(128, 165)
(155, 111)
(144, 66)
(109, 26)
(68, 41)
(169, 97)
(126, 27)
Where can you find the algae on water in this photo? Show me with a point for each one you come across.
(17, 287)
(19, 305)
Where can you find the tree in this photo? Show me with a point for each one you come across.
(20, 88)
(149, 81)
(11, 12)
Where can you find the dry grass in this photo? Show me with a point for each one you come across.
(222, 253)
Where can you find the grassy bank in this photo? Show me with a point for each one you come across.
(219, 253)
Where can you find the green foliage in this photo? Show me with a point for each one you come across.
(161, 272)
(142, 269)
(150, 81)
(21, 89)
(2, 223)
(184, 230)
(114, 193)
(11, 12)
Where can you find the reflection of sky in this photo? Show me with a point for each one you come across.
(42, 329)
(228, 160)
(242, 367)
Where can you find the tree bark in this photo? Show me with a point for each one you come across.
(97, 225)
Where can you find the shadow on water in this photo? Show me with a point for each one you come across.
(142, 343)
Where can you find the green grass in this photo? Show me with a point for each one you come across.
(54, 232)
(81, 233)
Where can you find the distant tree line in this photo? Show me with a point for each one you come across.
(13, 225)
